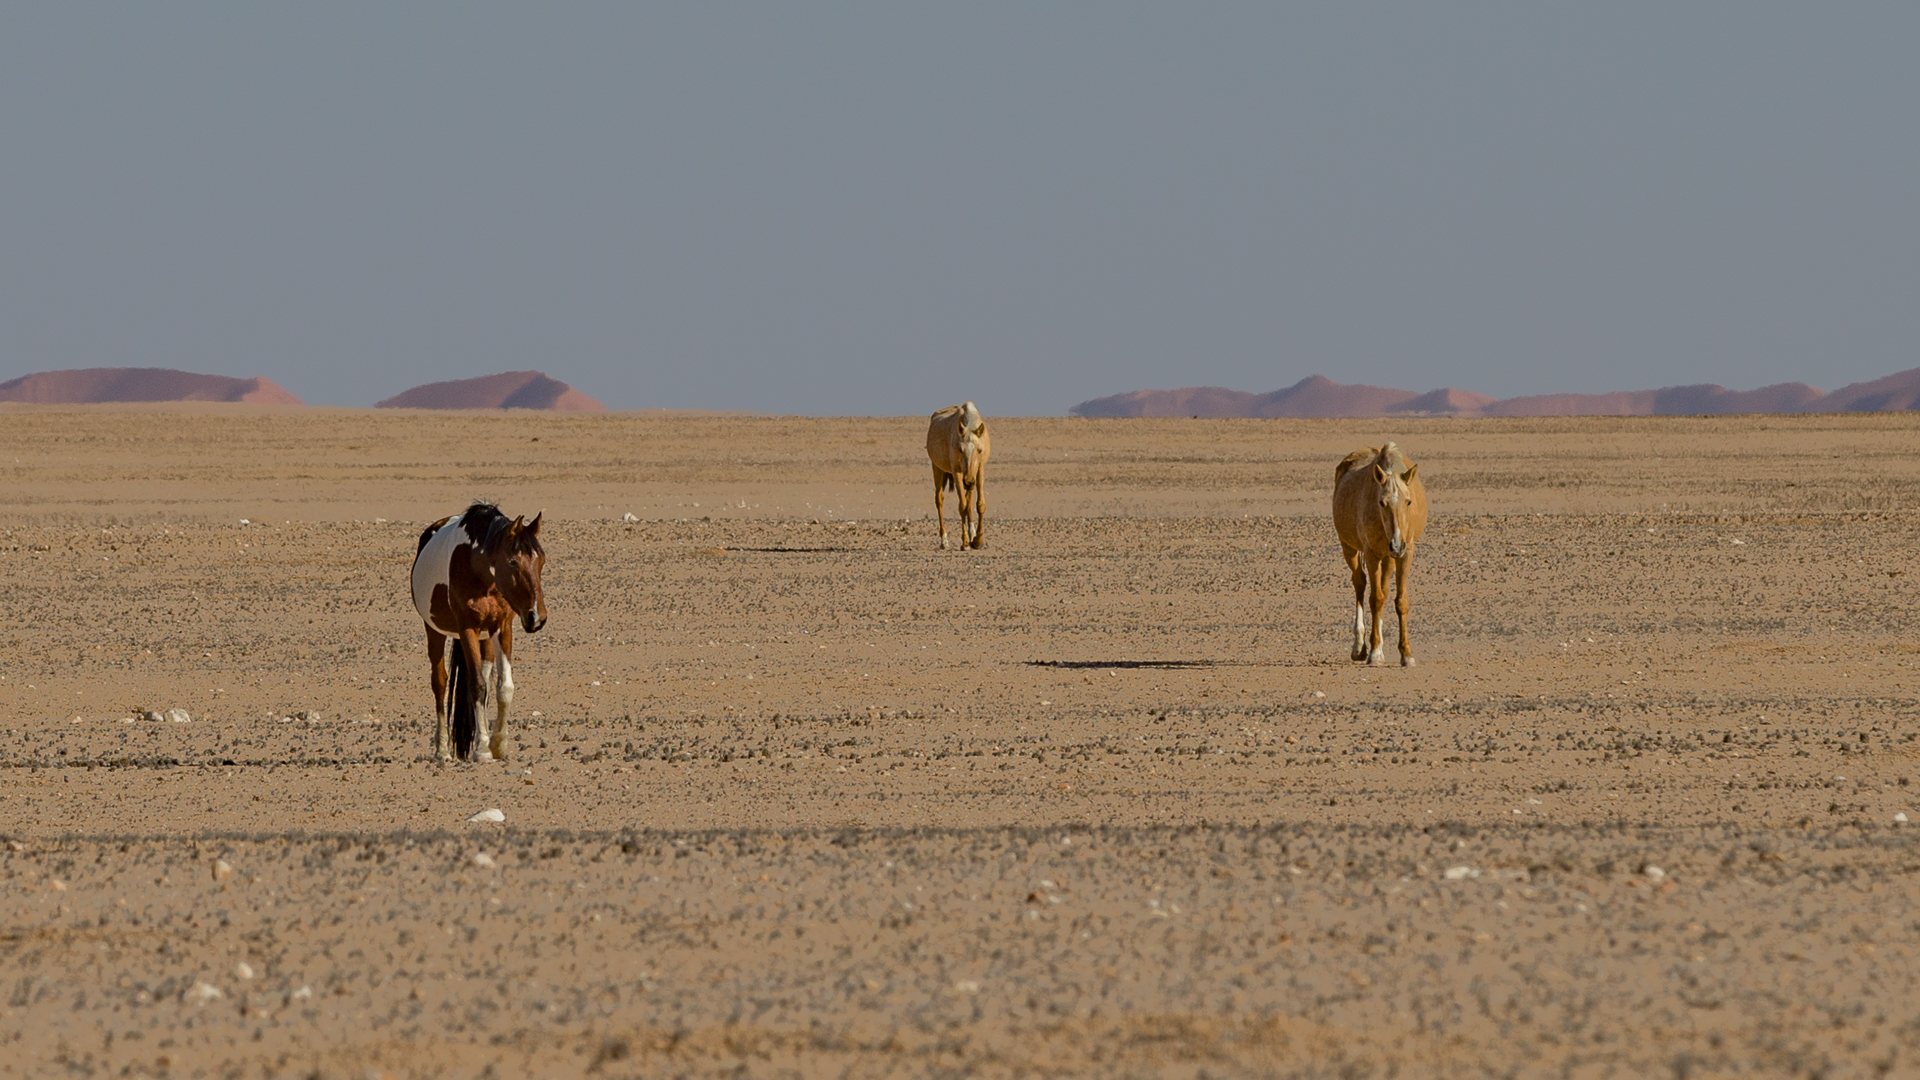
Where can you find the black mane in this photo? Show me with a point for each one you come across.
(484, 524)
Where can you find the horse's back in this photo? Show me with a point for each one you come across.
(432, 565)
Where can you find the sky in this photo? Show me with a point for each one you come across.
(835, 208)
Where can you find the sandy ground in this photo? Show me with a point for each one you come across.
(792, 792)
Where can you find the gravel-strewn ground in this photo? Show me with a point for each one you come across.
(805, 796)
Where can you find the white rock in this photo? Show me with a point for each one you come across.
(1460, 873)
(1655, 874)
(244, 521)
(967, 986)
(243, 970)
(302, 994)
(481, 858)
(222, 869)
(489, 815)
(1900, 818)
(179, 716)
(202, 992)
(630, 517)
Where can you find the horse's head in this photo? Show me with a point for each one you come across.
(973, 430)
(1395, 498)
(518, 559)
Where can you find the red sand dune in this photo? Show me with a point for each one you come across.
(88, 386)
(507, 390)
(1318, 396)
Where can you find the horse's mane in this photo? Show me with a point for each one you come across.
(1388, 456)
(495, 523)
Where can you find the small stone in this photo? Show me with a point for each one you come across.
(1655, 874)
(1460, 873)
(967, 986)
(1319, 693)
(179, 716)
(305, 993)
(1900, 818)
(630, 518)
(153, 715)
(489, 815)
(481, 858)
(58, 885)
(222, 869)
(202, 992)
(243, 970)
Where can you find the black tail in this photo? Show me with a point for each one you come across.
(460, 699)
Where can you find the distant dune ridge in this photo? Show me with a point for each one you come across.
(507, 390)
(93, 386)
(1319, 396)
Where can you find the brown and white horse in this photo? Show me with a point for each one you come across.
(472, 573)
(1379, 510)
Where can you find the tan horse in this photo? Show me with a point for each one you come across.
(1379, 510)
(958, 447)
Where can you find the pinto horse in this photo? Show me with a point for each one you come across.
(472, 573)
(1379, 510)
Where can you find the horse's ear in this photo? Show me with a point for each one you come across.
(534, 525)
(1412, 471)
(1379, 473)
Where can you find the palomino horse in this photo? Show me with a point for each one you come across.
(958, 447)
(1379, 510)
(472, 573)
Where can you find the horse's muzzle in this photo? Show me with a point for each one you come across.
(532, 622)
(1398, 548)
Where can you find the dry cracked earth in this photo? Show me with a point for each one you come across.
(793, 793)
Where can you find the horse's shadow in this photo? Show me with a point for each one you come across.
(1124, 665)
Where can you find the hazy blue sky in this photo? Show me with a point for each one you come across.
(837, 208)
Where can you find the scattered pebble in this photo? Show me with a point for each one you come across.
(243, 970)
(202, 992)
(179, 716)
(481, 858)
(967, 986)
(1460, 873)
(222, 869)
(1655, 874)
(1316, 693)
(1900, 818)
(629, 518)
(302, 994)
(489, 815)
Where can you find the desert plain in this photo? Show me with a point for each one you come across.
(792, 792)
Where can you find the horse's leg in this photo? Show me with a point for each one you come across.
(1352, 556)
(1401, 601)
(980, 510)
(437, 659)
(470, 642)
(1376, 603)
(940, 505)
(966, 511)
(485, 682)
(503, 695)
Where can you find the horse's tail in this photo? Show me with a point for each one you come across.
(460, 697)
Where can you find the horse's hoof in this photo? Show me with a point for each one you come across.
(499, 752)
(1377, 660)
(1358, 654)
(1408, 661)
